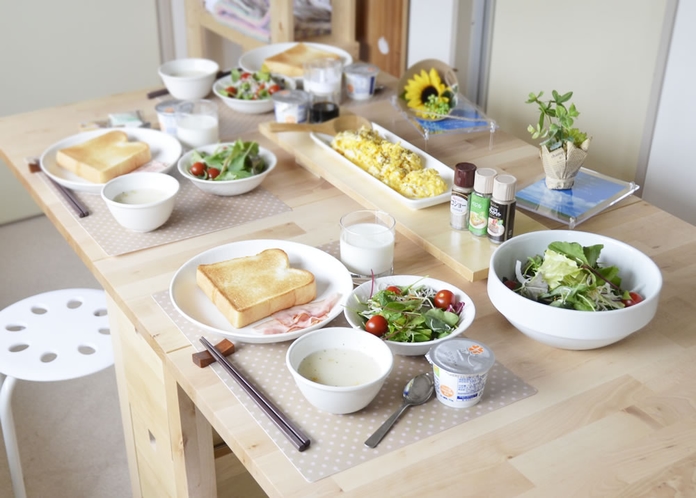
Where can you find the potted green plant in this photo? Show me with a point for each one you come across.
(563, 147)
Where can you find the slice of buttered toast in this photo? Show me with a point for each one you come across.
(291, 61)
(104, 157)
(250, 288)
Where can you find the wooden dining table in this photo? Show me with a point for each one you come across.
(615, 421)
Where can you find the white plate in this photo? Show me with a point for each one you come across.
(253, 59)
(429, 161)
(362, 292)
(329, 273)
(164, 148)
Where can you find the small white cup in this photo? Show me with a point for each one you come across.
(197, 123)
(367, 243)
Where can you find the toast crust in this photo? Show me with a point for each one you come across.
(104, 157)
(290, 62)
(250, 288)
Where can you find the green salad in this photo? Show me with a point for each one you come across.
(240, 160)
(413, 313)
(569, 275)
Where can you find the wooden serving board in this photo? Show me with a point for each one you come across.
(467, 254)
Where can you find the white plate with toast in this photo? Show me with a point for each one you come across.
(165, 151)
(330, 275)
(446, 173)
(254, 59)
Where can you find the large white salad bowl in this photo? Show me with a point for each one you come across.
(572, 329)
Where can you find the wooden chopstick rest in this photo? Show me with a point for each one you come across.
(204, 358)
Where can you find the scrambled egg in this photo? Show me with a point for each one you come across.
(392, 164)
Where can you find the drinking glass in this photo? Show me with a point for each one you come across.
(367, 244)
(197, 123)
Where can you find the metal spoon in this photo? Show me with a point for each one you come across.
(417, 391)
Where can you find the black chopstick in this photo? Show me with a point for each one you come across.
(74, 202)
(163, 91)
(294, 434)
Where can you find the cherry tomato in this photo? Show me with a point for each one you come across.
(213, 172)
(231, 90)
(273, 89)
(198, 169)
(394, 289)
(635, 298)
(377, 325)
(444, 299)
(510, 284)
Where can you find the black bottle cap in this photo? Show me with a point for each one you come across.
(464, 175)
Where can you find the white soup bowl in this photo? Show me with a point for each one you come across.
(345, 398)
(152, 196)
(189, 79)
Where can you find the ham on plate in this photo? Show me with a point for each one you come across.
(298, 317)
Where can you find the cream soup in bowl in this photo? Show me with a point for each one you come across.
(338, 369)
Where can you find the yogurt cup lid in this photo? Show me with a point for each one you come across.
(461, 356)
(167, 106)
(361, 68)
(291, 97)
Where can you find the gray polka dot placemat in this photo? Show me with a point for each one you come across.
(195, 213)
(337, 441)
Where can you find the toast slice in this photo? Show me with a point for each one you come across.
(250, 288)
(104, 157)
(290, 62)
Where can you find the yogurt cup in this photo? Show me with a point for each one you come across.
(360, 80)
(166, 115)
(460, 368)
(291, 106)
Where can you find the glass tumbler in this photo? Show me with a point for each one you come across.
(367, 244)
(197, 123)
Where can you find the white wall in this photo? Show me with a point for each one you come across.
(54, 53)
(671, 173)
(603, 51)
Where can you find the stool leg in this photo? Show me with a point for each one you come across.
(8, 432)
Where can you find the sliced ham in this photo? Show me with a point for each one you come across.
(298, 317)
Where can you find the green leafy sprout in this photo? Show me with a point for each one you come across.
(555, 126)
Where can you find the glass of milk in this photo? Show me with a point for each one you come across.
(197, 123)
(367, 244)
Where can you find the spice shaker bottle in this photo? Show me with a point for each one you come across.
(501, 213)
(480, 200)
(461, 190)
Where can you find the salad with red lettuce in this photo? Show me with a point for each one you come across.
(569, 275)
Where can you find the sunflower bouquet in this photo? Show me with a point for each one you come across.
(428, 95)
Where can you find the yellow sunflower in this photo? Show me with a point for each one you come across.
(426, 92)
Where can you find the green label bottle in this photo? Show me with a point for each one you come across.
(480, 201)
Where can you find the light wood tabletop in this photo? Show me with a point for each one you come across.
(616, 421)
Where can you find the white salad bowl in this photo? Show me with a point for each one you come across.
(226, 187)
(141, 202)
(566, 328)
(341, 343)
(189, 79)
(362, 293)
(249, 106)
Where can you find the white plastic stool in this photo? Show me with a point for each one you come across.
(58, 335)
